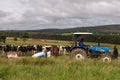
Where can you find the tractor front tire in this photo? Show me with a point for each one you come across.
(78, 54)
(106, 57)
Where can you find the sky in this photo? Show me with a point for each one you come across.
(44, 14)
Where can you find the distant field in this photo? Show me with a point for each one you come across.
(53, 42)
(60, 68)
(36, 41)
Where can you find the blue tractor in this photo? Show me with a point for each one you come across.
(79, 51)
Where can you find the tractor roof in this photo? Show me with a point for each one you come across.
(82, 33)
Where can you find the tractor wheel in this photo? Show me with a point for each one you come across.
(106, 57)
(78, 54)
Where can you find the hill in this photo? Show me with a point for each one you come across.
(95, 29)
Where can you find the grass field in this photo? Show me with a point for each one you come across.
(60, 68)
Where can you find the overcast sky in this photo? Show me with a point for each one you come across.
(42, 14)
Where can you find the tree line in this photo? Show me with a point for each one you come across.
(23, 35)
(114, 39)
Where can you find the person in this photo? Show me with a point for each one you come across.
(39, 55)
(44, 54)
(81, 43)
(115, 52)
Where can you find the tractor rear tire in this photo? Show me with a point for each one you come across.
(78, 54)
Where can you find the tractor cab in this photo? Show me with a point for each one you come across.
(81, 41)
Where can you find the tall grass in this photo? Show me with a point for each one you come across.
(61, 68)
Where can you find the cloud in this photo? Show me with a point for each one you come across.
(25, 14)
(3, 14)
(76, 8)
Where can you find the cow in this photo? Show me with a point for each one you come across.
(64, 49)
(54, 50)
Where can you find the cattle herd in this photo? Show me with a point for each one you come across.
(9, 51)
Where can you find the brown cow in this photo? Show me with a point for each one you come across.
(54, 50)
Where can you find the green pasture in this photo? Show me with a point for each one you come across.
(57, 68)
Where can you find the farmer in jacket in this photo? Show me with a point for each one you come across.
(81, 43)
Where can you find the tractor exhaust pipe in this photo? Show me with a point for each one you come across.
(99, 40)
